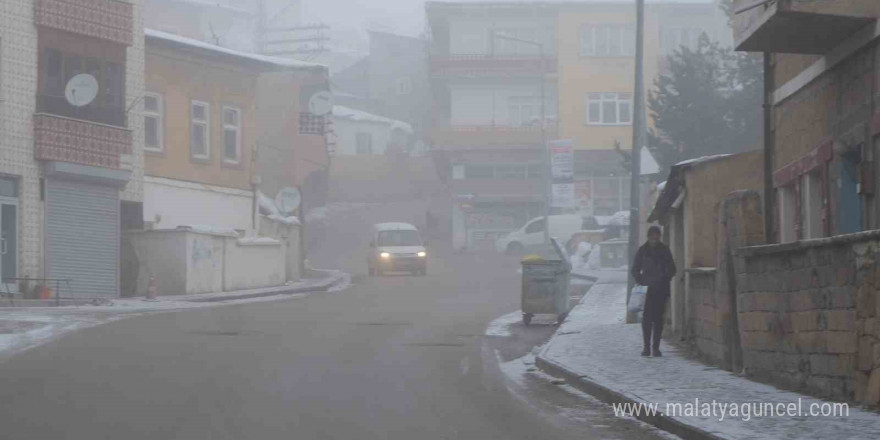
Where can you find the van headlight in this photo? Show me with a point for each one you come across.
(422, 254)
(385, 255)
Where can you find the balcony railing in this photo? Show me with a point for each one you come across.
(103, 114)
(796, 26)
(489, 136)
(57, 138)
(492, 64)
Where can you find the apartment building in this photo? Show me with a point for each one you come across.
(489, 62)
(71, 163)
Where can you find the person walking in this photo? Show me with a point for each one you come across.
(654, 267)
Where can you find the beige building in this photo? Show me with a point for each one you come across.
(688, 207)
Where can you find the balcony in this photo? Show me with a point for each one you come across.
(57, 138)
(101, 113)
(798, 27)
(467, 137)
(492, 65)
(109, 20)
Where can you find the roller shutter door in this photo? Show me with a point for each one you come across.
(82, 237)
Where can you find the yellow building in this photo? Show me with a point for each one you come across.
(596, 71)
(596, 64)
(201, 131)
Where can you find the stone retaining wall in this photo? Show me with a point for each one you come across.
(808, 315)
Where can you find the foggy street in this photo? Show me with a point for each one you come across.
(391, 357)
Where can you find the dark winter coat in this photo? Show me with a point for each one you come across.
(653, 265)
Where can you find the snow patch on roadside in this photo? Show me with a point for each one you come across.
(54, 322)
(499, 327)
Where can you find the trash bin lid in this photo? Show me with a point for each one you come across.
(533, 258)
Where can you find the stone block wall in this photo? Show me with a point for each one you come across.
(711, 312)
(704, 325)
(808, 313)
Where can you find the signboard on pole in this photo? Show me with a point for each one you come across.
(562, 159)
(563, 195)
(562, 173)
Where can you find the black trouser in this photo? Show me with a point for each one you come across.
(652, 317)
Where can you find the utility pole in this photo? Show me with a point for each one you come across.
(548, 190)
(638, 141)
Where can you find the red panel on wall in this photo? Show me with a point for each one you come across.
(110, 20)
(82, 142)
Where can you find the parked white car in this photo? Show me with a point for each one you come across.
(562, 227)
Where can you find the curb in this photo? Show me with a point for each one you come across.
(322, 287)
(611, 396)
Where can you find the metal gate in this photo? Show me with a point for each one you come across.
(82, 236)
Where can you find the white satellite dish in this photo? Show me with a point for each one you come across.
(287, 200)
(321, 103)
(81, 90)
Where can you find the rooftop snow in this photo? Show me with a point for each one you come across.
(246, 56)
(341, 111)
(702, 159)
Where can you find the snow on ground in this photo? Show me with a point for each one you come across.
(499, 327)
(23, 328)
(595, 345)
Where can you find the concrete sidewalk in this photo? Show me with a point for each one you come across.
(596, 352)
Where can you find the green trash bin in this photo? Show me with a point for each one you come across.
(545, 286)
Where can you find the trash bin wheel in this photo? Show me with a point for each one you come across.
(527, 318)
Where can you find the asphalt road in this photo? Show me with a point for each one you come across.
(394, 357)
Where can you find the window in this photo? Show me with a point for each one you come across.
(787, 217)
(458, 172)
(535, 226)
(523, 110)
(510, 47)
(536, 171)
(58, 67)
(404, 86)
(364, 143)
(153, 122)
(479, 172)
(811, 194)
(671, 39)
(400, 237)
(612, 40)
(231, 135)
(609, 109)
(510, 172)
(199, 140)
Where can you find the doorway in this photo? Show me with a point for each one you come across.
(8, 236)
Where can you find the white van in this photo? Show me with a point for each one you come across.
(562, 227)
(396, 247)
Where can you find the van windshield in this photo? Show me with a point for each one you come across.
(399, 238)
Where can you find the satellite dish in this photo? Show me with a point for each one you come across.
(81, 90)
(288, 200)
(321, 103)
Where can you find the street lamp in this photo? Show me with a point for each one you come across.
(547, 170)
